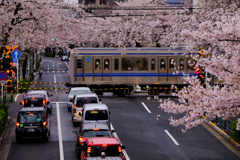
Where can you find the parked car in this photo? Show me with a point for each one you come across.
(64, 58)
(99, 148)
(73, 91)
(88, 131)
(32, 122)
(48, 97)
(78, 101)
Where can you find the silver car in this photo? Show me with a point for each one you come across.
(73, 91)
(48, 97)
(78, 101)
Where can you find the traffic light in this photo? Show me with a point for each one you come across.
(6, 64)
(199, 71)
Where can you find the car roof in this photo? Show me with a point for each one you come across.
(34, 95)
(25, 109)
(80, 88)
(95, 141)
(89, 126)
(92, 106)
(37, 91)
(86, 95)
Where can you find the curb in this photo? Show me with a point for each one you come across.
(224, 134)
(4, 131)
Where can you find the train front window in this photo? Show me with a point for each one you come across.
(106, 64)
(79, 63)
(171, 64)
(116, 64)
(97, 64)
(181, 64)
(190, 64)
(134, 64)
(162, 64)
(153, 64)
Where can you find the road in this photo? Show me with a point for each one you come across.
(135, 123)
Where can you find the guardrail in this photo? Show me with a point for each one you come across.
(226, 124)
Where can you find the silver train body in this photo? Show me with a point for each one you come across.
(119, 71)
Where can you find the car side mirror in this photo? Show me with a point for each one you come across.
(20, 103)
(113, 131)
(67, 92)
(100, 100)
(48, 102)
(70, 100)
(80, 114)
(123, 147)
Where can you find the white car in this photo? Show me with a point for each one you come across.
(78, 101)
(73, 91)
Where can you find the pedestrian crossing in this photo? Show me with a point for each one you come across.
(54, 71)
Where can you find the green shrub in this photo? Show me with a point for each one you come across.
(49, 55)
(24, 85)
(3, 116)
(38, 64)
(32, 76)
(235, 132)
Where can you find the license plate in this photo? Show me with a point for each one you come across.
(31, 130)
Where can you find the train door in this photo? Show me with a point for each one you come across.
(171, 67)
(102, 70)
(162, 75)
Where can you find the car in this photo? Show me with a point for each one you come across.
(64, 58)
(73, 91)
(78, 101)
(96, 112)
(32, 122)
(99, 148)
(34, 100)
(48, 97)
(88, 131)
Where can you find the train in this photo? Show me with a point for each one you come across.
(120, 71)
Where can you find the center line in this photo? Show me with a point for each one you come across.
(144, 105)
(59, 133)
(171, 137)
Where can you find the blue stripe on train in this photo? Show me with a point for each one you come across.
(133, 74)
(132, 53)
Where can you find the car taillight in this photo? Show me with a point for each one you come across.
(119, 149)
(44, 123)
(96, 129)
(104, 145)
(75, 106)
(89, 150)
(47, 100)
(74, 110)
(22, 102)
(80, 139)
(44, 101)
(17, 124)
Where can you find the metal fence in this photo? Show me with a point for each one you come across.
(226, 125)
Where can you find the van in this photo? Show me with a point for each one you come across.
(78, 101)
(96, 113)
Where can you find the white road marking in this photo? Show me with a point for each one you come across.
(48, 67)
(171, 137)
(59, 133)
(67, 65)
(144, 105)
(16, 97)
(55, 82)
(124, 151)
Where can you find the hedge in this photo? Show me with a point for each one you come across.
(235, 132)
(3, 116)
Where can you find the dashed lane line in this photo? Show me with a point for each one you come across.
(173, 139)
(59, 133)
(144, 105)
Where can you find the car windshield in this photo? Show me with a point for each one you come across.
(79, 91)
(94, 115)
(99, 133)
(30, 117)
(83, 100)
(33, 102)
(109, 151)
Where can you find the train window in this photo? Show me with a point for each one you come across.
(153, 64)
(106, 64)
(181, 64)
(97, 64)
(162, 64)
(116, 64)
(79, 63)
(171, 64)
(134, 64)
(190, 65)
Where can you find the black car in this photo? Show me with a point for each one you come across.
(32, 122)
(43, 92)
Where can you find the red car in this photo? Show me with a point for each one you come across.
(102, 147)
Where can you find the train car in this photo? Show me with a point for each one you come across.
(119, 71)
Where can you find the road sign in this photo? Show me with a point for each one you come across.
(14, 60)
(3, 75)
(3, 82)
(14, 64)
(16, 54)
